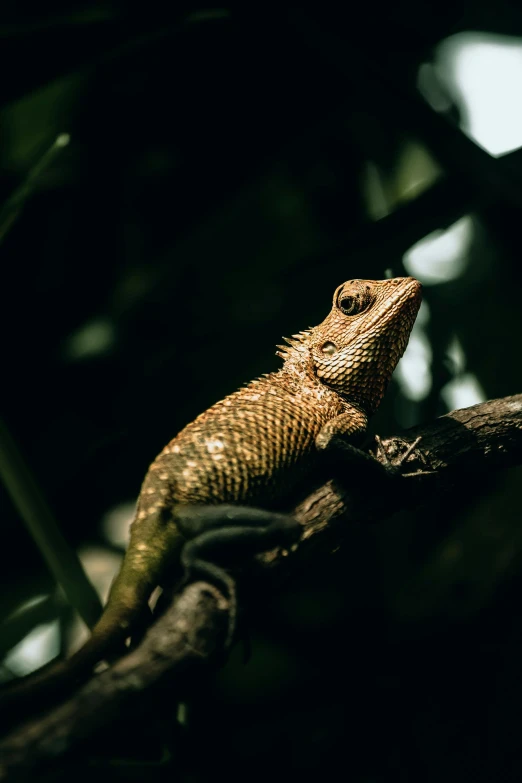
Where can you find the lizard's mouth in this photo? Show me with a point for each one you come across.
(402, 304)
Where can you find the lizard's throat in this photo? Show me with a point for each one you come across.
(364, 390)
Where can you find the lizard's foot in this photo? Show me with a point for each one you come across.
(230, 534)
(353, 465)
(197, 567)
(398, 451)
(356, 465)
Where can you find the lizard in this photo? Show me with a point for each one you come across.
(248, 449)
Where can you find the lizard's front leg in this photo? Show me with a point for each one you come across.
(337, 441)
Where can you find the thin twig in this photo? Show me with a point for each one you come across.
(61, 558)
(11, 209)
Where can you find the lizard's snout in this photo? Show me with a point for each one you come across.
(402, 280)
(410, 282)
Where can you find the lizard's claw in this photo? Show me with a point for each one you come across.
(397, 452)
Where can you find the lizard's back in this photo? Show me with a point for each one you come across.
(254, 444)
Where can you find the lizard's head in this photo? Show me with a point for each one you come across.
(356, 348)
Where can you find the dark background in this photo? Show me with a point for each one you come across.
(226, 171)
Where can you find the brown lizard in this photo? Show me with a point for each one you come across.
(250, 448)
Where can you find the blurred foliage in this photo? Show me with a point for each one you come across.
(222, 179)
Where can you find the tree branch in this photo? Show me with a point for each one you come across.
(191, 632)
(464, 442)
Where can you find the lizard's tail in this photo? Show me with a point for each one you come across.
(126, 609)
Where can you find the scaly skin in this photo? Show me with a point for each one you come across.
(252, 447)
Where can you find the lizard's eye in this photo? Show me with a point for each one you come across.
(352, 305)
(348, 305)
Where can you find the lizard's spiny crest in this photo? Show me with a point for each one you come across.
(297, 342)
